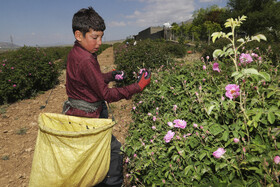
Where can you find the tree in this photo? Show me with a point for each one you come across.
(261, 14)
(213, 14)
(211, 27)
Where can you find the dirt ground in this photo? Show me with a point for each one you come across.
(19, 127)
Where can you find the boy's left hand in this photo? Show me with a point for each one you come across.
(118, 75)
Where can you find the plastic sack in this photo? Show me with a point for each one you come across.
(71, 151)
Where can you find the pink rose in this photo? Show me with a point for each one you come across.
(170, 124)
(236, 140)
(245, 58)
(204, 67)
(216, 67)
(119, 76)
(219, 153)
(174, 107)
(142, 71)
(180, 123)
(232, 91)
(169, 136)
(276, 159)
(127, 160)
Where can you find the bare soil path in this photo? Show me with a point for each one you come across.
(19, 127)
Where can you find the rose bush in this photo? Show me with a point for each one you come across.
(25, 72)
(149, 54)
(29, 70)
(231, 134)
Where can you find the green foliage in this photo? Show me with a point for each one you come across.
(102, 48)
(147, 54)
(269, 49)
(29, 70)
(25, 72)
(256, 10)
(59, 54)
(209, 49)
(187, 159)
(199, 96)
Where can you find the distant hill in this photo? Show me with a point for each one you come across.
(8, 45)
(113, 41)
(186, 22)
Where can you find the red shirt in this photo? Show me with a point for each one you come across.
(85, 81)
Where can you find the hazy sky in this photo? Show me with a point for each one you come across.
(49, 22)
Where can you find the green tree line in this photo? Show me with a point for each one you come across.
(263, 16)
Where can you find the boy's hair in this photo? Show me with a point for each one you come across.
(86, 19)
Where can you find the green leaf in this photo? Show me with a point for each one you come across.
(220, 166)
(217, 53)
(170, 148)
(241, 40)
(229, 34)
(250, 71)
(236, 73)
(216, 129)
(255, 38)
(262, 37)
(258, 116)
(215, 35)
(265, 75)
(225, 135)
(257, 170)
(232, 174)
(254, 159)
(271, 117)
(201, 156)
(209, 110)
(259, 37)
(187, 169)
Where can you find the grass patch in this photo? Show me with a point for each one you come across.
(3, 109)
(21, 131)
(5, 157)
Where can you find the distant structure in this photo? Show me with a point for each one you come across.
(167, 31)
(150, 33)
(12, 41)
(164, 32)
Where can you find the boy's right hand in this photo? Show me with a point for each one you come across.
(143, 80)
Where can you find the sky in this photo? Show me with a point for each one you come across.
(49, 22)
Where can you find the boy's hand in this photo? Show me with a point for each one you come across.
(144, 79)
(118, 75)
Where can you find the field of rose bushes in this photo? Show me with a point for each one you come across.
(208, 123)
(30, 70)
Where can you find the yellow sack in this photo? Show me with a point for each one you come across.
(71, 151)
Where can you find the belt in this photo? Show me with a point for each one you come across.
(81, 105)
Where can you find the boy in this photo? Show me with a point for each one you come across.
(87, 87)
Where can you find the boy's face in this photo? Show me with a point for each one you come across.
(91, 42)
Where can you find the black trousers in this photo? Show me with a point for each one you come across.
(114, 176)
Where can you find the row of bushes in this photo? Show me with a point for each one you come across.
(29, 70)
(148, 54)
(25, 72)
